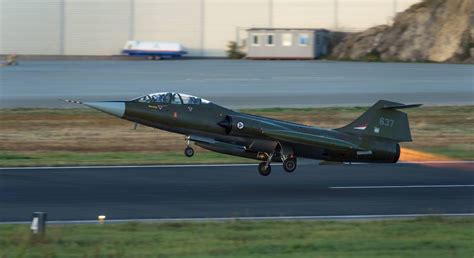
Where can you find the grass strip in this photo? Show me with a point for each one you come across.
(67, 158)
(422, 237)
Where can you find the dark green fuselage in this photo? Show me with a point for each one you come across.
(216, 128)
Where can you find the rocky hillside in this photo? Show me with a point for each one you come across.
(432, 30)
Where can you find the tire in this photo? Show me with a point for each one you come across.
(263, 169)
(189, 152)
(289, 165)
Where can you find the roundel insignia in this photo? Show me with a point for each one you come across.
(240, 125)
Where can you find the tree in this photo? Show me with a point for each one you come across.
(234, 51)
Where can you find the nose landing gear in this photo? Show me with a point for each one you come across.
(188, 151)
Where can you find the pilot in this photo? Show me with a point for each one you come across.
(193, 100)
(161, 98)
(167, 98)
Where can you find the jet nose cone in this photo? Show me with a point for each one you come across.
(116, 108)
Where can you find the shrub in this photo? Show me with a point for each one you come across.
(373, 56)
(234, 51)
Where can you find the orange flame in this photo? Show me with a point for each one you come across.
(409, 155)
(413, 156)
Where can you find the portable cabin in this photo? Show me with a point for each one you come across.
(286, 43)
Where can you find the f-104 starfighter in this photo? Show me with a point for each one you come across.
(373, 137)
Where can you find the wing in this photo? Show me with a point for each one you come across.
(311, 139)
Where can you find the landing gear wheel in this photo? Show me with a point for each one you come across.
(289, 165)
(189, 152)
(264, 169)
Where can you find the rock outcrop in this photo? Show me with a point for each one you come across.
(432, 30)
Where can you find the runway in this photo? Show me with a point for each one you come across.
(224, 191)
(237, 84)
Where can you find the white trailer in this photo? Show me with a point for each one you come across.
(154, 49)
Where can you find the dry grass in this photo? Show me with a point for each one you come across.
(79, 130)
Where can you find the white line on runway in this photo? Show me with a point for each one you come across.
(323, 217)
(136, 166)
(221, 165)
(398, 186)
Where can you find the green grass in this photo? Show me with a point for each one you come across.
(426, 237)
(64, 158)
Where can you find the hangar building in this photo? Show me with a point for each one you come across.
(204, 27)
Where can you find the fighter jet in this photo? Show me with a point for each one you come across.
(373, 137)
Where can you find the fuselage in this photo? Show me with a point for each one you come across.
(205, 120)
(372, 137)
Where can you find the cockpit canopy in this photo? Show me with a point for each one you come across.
(171, 97)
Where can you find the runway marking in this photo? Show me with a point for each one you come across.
(398, 186)
(227, 165)
(135, 166)
(277, 218)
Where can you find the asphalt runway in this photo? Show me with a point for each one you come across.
(236, 191)
(237, 83)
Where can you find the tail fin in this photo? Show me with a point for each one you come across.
(383, 120)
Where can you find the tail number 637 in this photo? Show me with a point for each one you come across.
(386, 122)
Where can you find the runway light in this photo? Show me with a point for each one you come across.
(101, 219)
(38, 224)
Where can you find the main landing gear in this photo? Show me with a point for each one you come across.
(289, 165)
(264, 169)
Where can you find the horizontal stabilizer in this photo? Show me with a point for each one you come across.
(311, 139)
(401, 106)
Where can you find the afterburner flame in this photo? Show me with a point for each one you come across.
(409, 155)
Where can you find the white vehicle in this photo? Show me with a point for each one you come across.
(154, 49)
